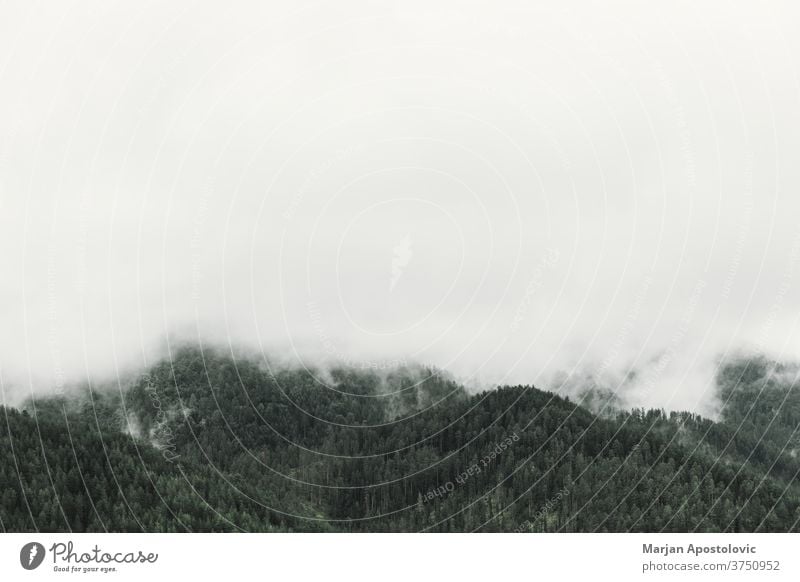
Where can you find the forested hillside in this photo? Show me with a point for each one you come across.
(205, 442)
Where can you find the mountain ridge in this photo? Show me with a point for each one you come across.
(206, 442)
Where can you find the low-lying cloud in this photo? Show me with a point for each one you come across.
(514, 194)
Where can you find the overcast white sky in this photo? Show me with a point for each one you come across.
(504, 190)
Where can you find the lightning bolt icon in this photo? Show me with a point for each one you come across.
(32, 555)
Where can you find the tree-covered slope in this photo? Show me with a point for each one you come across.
(205, 442)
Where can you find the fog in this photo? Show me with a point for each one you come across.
(515, 194)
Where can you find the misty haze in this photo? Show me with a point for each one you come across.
(407, 266)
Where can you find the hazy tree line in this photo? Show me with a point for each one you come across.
(206, 443)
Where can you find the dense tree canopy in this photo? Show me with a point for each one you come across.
(205, 442)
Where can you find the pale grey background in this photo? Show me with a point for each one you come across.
(514, 191)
